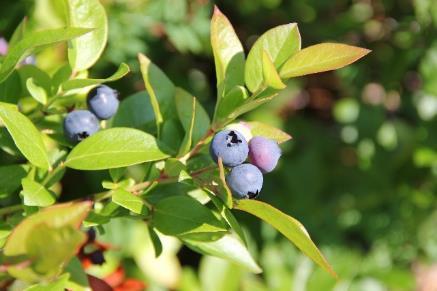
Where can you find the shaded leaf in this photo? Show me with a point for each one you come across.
(228, 247)
(114, 148)
(10, 178)
(320, 58)
(34, 40)
(231, 101)
(228, 193)
(25, 135)
(289, 227)
(84, 51)
(156, 241)
(280, 43)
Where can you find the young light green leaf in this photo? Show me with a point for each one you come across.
(35, 194)
(280, 43)
(86, 50)
(59, 284)
(49, 248)
(161, 90)
(271, 76)
(10, 179)
(320, 58)
(34, 40)
(18, 32)
(129, 201)
(261, 129)
(25, 135)
(228, 247)
(182, 215)
(114, 148)
(289, 227)
(122, 70)
(193, 117)
(71, 214)
(228, 54)
(37, 92)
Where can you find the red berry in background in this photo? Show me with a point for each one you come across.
(264, 153)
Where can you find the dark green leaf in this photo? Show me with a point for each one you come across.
(182, 215)
(114, 148)
(10, 178)
(156, 241)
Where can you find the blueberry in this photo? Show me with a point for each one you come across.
(103, 101)
(264, 153)
(80, 124)
(97, 257)
(245, 181)
(231, 146)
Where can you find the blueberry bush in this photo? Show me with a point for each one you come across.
(170, 168)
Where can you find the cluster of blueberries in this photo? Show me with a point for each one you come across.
(102, 102)
(245, 179)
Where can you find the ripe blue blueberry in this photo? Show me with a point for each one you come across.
(103, 101)
(245, 181)
(231, 146)
(264, 153)
(80, 124)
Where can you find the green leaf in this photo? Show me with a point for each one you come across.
(228, 54)
(288, 226)
(49, 248)
(34, 40)
(321, 58)
(156, 241)
(60, 215)
(86, 50)
(161, 91)
(57, 285)
(135, 111)
(270, 74)
(25, 135)
(78, 280)
(39, 77)
(37, 92)
(114, 148)
(280, 43)
(129, 201)
(231, 101)
(193, 117)
(228, 247)
(182, 215)
(18, 32)
(228, 194)
(122, 70)
(261, 129)
(10, 178)
(34, 194)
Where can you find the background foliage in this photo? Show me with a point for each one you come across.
(360, 171)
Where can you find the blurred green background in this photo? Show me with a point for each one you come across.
(360, 172)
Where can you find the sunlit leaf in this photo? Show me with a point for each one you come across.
(320, 58)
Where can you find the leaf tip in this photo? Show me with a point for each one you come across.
(217, 11)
